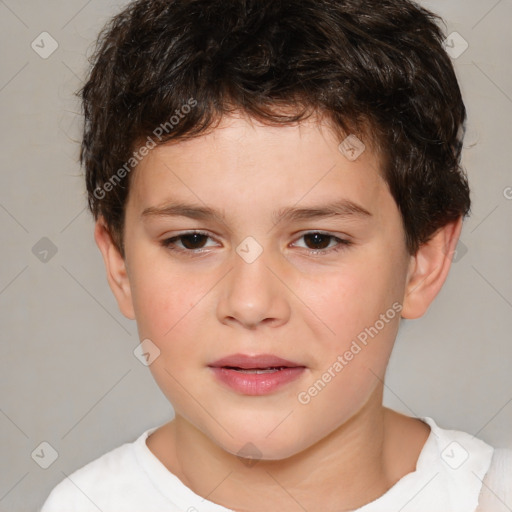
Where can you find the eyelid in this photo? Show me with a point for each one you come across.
(167, 239)
(332, 234)
(342, 243)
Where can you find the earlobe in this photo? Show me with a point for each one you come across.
(115, 265)
(429, 268)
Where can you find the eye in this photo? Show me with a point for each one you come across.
(191, 242)
(321, 242)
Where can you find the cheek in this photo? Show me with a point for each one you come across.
(361, 309)
(163, 299)
(351, 298)
(167, 305)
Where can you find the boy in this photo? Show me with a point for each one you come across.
(275, 184)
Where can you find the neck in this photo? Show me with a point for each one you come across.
(352, 466)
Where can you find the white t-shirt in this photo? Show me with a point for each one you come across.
(448, 477)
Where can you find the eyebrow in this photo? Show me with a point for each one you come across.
(340, 208)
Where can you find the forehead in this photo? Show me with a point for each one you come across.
(247, 164)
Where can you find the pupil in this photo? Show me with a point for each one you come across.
(194, 237)
(314, 238)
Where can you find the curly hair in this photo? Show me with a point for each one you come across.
(374, 68)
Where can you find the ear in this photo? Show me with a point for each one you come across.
(429, 268)
(115, 265)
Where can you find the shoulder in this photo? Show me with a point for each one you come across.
(501, 467)
(458, 451)
(503, 458)
(497, 485)
(116, 473)
(457, 462)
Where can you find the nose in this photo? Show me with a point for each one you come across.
(254, 294)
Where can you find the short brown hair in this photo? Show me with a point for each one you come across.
(375, 68)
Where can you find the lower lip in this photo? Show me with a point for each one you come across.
(257, 383)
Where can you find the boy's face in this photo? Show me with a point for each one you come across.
(222, 297)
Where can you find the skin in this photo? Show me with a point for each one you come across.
(341, 450)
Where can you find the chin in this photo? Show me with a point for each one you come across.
(255, 444)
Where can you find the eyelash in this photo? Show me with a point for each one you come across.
(169, 243)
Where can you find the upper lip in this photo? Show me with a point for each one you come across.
(255, 361)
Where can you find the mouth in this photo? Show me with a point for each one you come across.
(267, 362)
(256, 371)
(255, 375)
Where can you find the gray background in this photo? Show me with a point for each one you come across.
(68, 374)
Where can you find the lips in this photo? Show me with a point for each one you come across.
(256, 375)
(259, 362)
